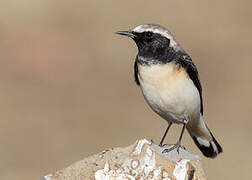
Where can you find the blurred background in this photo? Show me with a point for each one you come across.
(67, 88)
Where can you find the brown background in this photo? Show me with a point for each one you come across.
(67, 89)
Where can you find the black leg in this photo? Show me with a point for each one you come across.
(181, 134)
(177, 145)
(162, 140)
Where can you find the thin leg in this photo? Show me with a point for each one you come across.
(181, 134)
(177, 145)
(167, 129)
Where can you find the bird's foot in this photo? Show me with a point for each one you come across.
(163, 145)
(174, 146)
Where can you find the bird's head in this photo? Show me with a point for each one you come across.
(151, 39)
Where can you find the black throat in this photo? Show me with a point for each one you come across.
(154, 48)
(151, 55)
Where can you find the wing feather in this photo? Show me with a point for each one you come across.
(187, 63)
(136, 72)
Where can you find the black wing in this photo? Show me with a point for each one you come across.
(136, 72)
(187, 63)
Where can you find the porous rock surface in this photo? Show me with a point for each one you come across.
(141, 161)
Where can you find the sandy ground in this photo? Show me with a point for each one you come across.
(67, 88)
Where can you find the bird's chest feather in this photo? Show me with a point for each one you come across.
(169, 90)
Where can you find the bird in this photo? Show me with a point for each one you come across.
(170, 84)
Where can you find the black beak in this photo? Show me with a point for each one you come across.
(126, 33)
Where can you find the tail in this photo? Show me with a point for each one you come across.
(205, 140)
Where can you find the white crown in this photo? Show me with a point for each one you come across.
(155, 28)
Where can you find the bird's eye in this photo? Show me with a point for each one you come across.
(148, 35)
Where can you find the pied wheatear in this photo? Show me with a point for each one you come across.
(170, 83)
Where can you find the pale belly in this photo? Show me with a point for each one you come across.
(170, 92)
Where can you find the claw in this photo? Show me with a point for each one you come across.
(163, 145)
(170, 149)
(177, 145)
(178, 150)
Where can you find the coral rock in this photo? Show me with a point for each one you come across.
(141, 161)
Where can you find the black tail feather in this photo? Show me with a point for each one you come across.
(210, 151)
